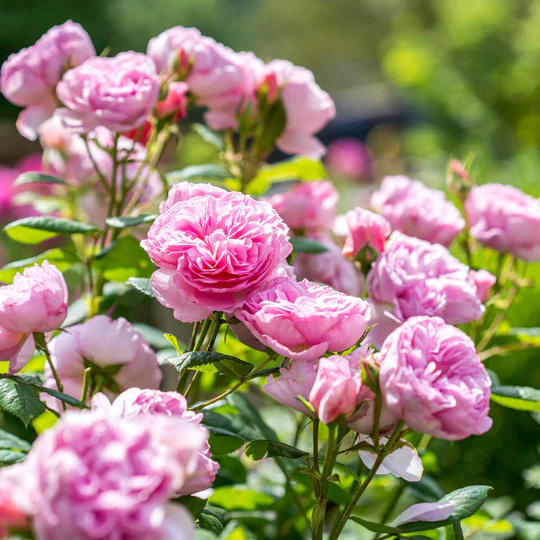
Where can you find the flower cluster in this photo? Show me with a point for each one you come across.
(352, 317)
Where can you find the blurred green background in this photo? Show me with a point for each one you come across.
(418, 81)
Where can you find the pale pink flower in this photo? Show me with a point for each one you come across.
(308, 205)
(294, 381)
(29, 77)
(336, 388)
(304, 320)
(184, 191)
(119, 357)
(403, 462)
(432, 378)
(437, 511)
(135, 403)
(118, 93)
(505, 219)
(414, 277)
(330, 267)
(96, 476)
(365, 229)
(416, 210)
(219, 250)
(483, 280)
(349, 157)
(36, 301)
(308, 108)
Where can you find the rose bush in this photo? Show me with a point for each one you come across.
(113, 429)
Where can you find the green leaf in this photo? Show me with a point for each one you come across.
(223, 362)
(211, 519)
(8, 441)
(426, 489)
(209, 136)
(467, 500)
(38, 178)
(230, 425)
(173, 340)
(124, 222)
(296, 168)
(20, 400)
(36, 229)
(209, 171)
(9, 457)
(224, 444)
(306, 245)
(262, 448)
(240, 498)
(375, 527)
(61, 258)
(194, 504)
(251, 416)
(61, 396)
(142, 285)
(523, 398)
(123, 259)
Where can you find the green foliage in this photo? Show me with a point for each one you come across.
(302, 244)
(19, 399)
(522, 398)
(123, 259)
(36, 229)
(223, 362)
(142, 285)
(125, 222)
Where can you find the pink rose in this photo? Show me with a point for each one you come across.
(336, 388)
(219, 250)
(413, 277)
(29, 77)
(17, 348)
(483, 280)
(505, 219)
(36, 301)
(416, 210)
(304, 320)
(308, 205)
(97, 476)
(349, 157)
(224, 105)
(432, 378)
(118, 93)
(308, 108)
(172, 50)
(118, 355)
(184, 191)
(220, 79)
(294, 381)
(330, 267)
(175, 102)
(365, 228)
(136, 403)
